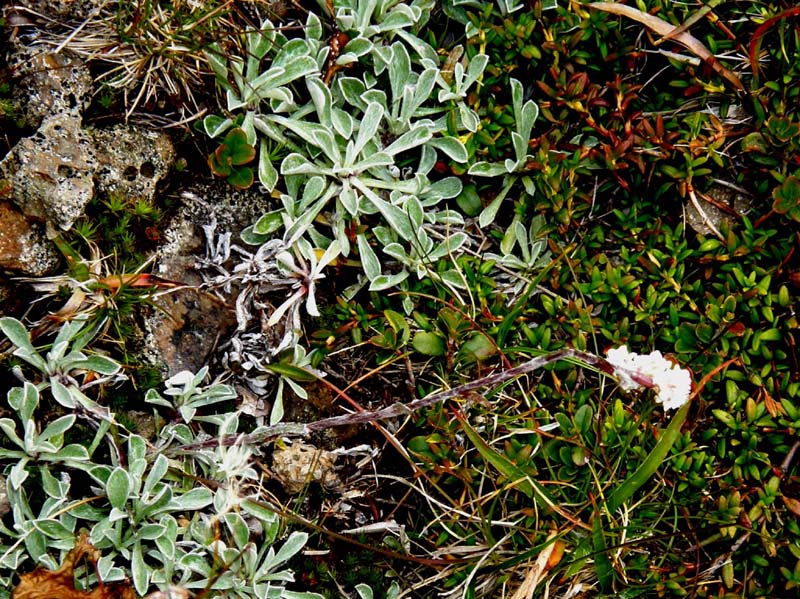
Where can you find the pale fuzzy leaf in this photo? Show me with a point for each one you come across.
(370, 262)
(342, 122)
(215, 125)
(62, 394)
(449, 246)
(382, 282)
(139, 570)
(57, 428)
(368, 127)
(349, 198)
(18, 335)
(399, 70)
(451, 146)
(9, 428)
(321, 96)
(267, 174)
(117, 488)
(487, 169)
(410, 139)
(98, 363)
(475, 69)
(292, 545)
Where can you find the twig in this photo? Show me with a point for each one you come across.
(271, 433)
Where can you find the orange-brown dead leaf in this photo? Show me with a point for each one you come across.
(773, 407)
(666, 29)
(555, 557)
(60, 584)
(137, 280)
(792, 504)
(547, 560)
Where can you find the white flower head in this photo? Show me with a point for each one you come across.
(672, 383)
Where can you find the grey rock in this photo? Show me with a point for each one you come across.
(57, 171)
(50, 84)
(24, 249)
(51, 172)
(132, 161)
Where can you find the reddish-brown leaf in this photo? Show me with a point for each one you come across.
(60, 584)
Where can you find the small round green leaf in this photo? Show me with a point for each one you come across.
(429, 344)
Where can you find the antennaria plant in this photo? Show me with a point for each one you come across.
(361, 149)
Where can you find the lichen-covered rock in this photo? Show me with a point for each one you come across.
(190, 324)
(50, 84)
(131, 161)
(51, 172)
(185, 329)
(24, 249)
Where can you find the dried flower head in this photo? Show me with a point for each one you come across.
(672, 383)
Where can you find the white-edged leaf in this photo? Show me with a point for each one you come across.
(476, 67)
(98, 363)
(69, 453)
(416, 214)
(267, 224)
(9, 428)
(157, 472)
(139, 571)
(267, 174)
(313, 28)
(395, 217)
(216, 59)
(399, 70)
(370, 262)
(409, 139)
(374, 160)
(297, 164)
(342, 122)
(296, 541)
(382, 282)
(451, 146)
(349, 198)
(57, 428)
(61, 393)
(248, 127)
(118, 486)
(364, 591)
(368, 128)
(215, 125)
(489, 213)
(352, 89)
(18, 335)
(487, 169)
(325, 140)
(312, 190)
(54, 529)
(24, 400)
(450, 245)
(321, 96)
(194, 499)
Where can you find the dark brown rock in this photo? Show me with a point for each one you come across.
(24, 249)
